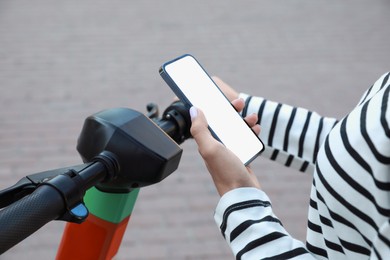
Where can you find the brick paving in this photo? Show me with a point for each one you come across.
(61, 61)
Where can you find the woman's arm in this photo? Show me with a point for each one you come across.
(244, 213)
(291, 135)
(248, 224)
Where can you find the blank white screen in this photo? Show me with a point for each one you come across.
(223, 119)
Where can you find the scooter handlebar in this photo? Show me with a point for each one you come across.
(22, 218)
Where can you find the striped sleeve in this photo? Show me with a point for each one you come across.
(349, 210)
(252, 230)
(292, 135)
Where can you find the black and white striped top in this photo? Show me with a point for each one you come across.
(349, 211)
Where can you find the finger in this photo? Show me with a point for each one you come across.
(256, 129)
(238, 104)
(199, 129)
(251, 119)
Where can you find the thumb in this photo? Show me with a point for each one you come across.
(199, 128)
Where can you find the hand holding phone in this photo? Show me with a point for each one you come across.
(191, 83)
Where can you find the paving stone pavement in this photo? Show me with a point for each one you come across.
(61, 61)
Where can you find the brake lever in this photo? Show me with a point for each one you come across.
(29, 183)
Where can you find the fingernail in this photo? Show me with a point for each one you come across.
(193, 112)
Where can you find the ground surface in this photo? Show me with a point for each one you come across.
(61, 61)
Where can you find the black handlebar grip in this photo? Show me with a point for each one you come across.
(24, 217)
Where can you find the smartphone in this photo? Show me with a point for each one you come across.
(194, 87)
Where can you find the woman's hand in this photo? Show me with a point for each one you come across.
(226, 169)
